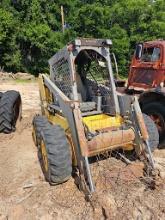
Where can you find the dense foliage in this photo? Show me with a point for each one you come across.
(30, 30)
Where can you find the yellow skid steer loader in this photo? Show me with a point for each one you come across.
(83, 115)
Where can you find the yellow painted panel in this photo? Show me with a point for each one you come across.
(57, 119)
(96, 122)
(41, 88)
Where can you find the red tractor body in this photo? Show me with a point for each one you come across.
(147, 79)
(147, 68)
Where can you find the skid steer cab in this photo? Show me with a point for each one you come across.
(83, 116)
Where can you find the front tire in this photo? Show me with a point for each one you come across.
(39, 123)
(54, 154)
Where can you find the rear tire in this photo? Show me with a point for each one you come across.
(157, 113)
(10, 108)
(152, 132)
(54, 154)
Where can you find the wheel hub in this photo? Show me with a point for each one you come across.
(44, 156)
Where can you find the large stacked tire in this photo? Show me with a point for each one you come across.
(152, 132)
(10, 107)
(53, 151)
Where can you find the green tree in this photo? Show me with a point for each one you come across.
(30, 30)
(10, 55)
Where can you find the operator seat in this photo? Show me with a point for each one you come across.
(85, 96)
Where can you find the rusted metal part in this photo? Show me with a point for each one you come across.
(80, 132)
(140, 120)
(69, 138)
(159, 121)
(142, 126)
(110, 140)
(148, 74)
(108, 129)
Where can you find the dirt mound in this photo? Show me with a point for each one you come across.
(29, 93)
(24, 76)
(4, 76)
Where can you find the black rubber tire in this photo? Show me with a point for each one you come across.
(1, 94)
(58, 154)
(159, 109)
(152, 132)
(10, 107)
(39, 122)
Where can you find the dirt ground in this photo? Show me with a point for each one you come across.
(122, 192)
